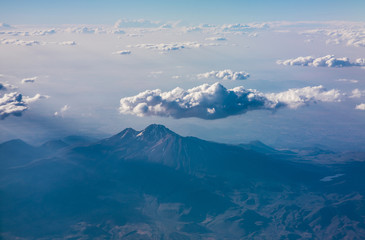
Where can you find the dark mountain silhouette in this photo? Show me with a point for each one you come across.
(156, 184)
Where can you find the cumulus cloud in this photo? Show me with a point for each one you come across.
(360, 107)
(225, 75)
(122, 52)
(29, 80)
(326, 61)
(19, 42)
(215, 101)
(356, 93)
(12, 104)
(62, 111)
(82, 30)
(15, 104)
(43, 32)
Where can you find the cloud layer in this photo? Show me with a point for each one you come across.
(215, 101)
(225, 75)
(326, 61)
(170, 46)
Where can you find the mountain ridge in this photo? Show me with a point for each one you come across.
(156, 184)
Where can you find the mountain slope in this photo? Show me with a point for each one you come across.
(155, 184)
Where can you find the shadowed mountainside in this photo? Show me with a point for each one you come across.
(156, 184)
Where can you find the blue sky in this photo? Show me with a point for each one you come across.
(99, 12)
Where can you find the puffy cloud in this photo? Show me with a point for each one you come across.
(356, 93)
(19, 42)
(192, 29)
(15, 104)
(294, 98)
(62, 111)
(215, 101)
(326, 61)
(12, 104)
(36, 97)
(122, 52)
(225, 75)
(43, 32)
(360, 107)
(29, 80)
(83, 30)
(140, 23)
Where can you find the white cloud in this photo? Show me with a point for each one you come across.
(348, 80)
(82, 30)
(122, 52)
(216, 39)
(192, 29)
(360, 107)
(326, 61)
(170, 46)
(19, 42)
(43, 32)
(62, 111)
(36, 97)
(215, 101)
(12, 104)
(294, 98)
(244, 27)
(225, 75)
(15, 104)
(351, 35)
(356, 93)
(67, 43)
(29, 80)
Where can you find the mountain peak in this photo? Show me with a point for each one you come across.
(155, 131)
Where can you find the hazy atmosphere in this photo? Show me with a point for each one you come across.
(288, 74)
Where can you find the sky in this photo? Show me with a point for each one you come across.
(287, 73)
(194, 12)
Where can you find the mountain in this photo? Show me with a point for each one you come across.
(156, 184)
